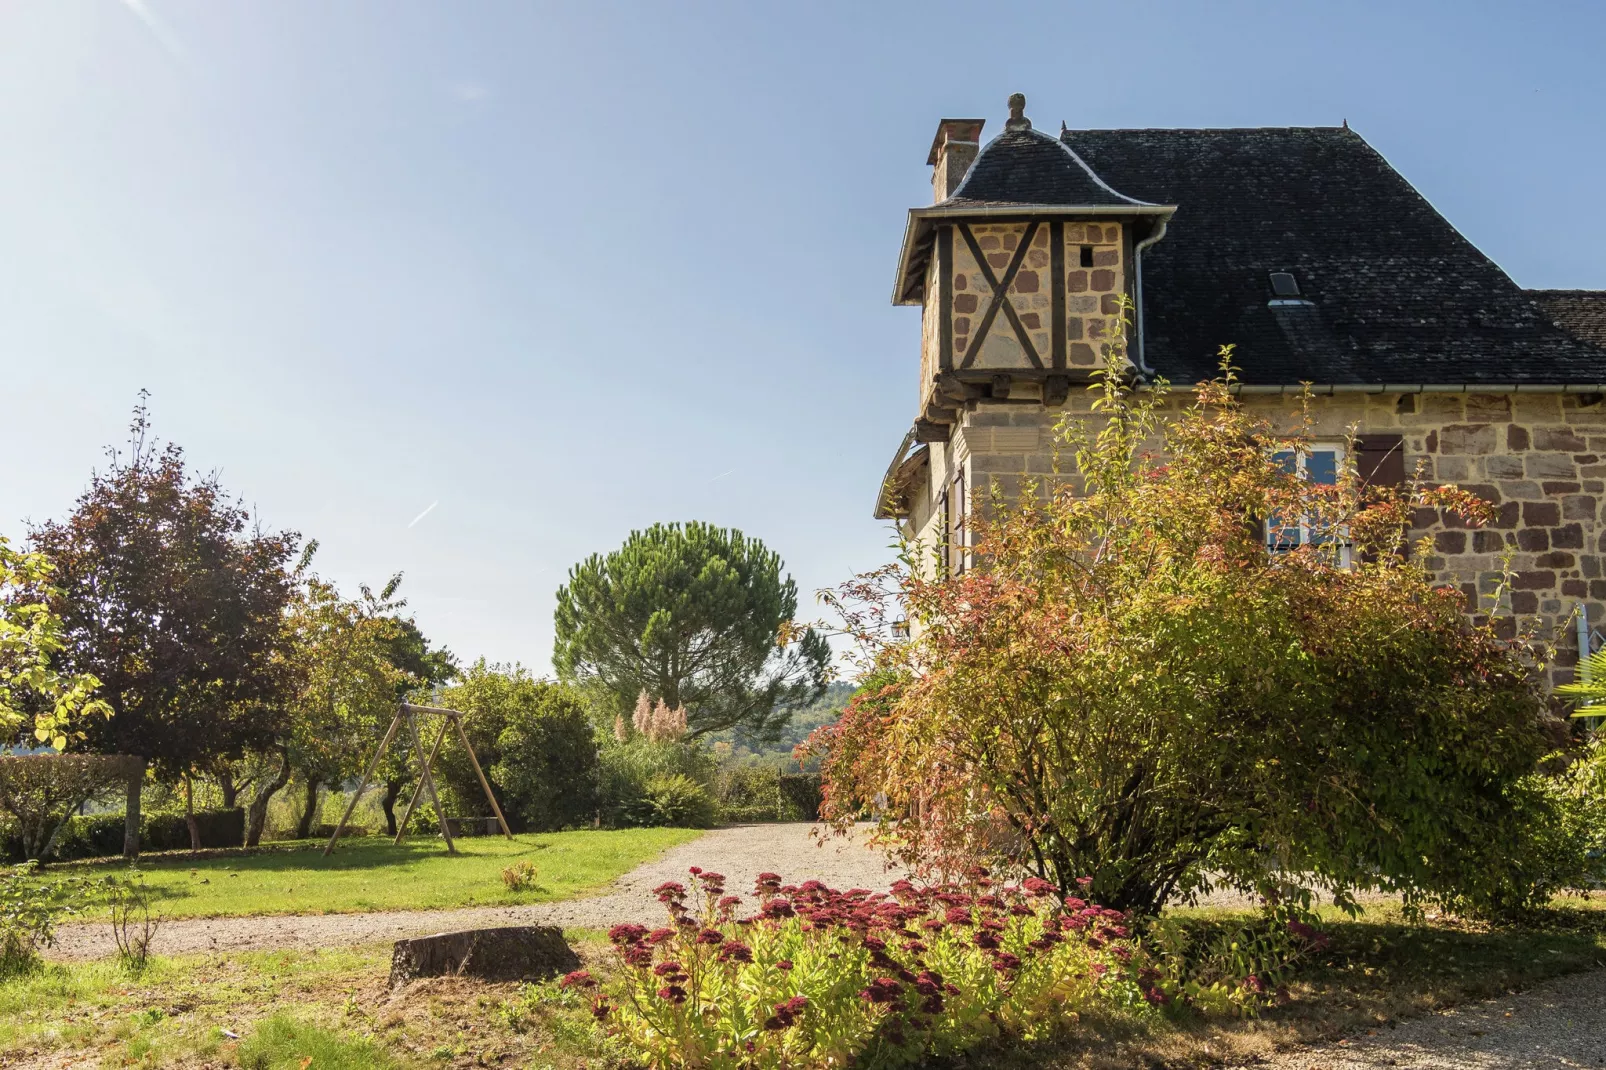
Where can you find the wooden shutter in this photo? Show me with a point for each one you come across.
(958, 536)
(1380, 460)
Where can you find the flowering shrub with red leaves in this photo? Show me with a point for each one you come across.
(805, 975)
(1129, 685)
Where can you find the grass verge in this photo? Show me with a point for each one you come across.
(374, 874)
(334, 1007)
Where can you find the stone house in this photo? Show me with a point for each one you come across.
(1320, 263)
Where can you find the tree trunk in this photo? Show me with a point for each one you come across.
(136, 782)
(231, 792)
(256, 817)
(309, 809)
(189, 814)
(387, 802)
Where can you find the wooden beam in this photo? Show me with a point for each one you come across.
(379, 752)
(1056, 295)
(1001, 385)
(945, 298)
(429, 782)
(926, 431)
(1056, 388)
(418, 788)
(485, 784)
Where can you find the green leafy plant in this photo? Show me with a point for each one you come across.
(817, 977)
(133, 925)
(519, 876)
(1132, 687)
(676, 800)
(30, 909)
(41, 791)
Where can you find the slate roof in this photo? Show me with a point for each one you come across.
(1581, 313)
(1023, 166)
(1396, 294)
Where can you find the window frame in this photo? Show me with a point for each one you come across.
(1346, 546)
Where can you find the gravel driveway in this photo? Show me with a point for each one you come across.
(740, 853)
(1561, 1023)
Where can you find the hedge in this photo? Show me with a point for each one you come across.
(101, 835)
(800, 796)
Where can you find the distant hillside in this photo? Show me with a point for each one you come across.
(823, 711)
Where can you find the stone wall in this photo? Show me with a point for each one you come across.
(1539, 458)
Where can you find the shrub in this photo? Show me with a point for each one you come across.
(29, 910)
(748, 792)
(219, 828)
(816, 977)
(41, 791)
(675, 800)
(519, 876)
(1133, 688)
(800, 796)
(533, 739)
(625, 769)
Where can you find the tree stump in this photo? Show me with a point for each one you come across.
(511, 953)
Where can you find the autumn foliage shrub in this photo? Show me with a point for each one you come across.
(1130, 685)
(818, 977)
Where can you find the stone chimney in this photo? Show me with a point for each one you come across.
(952, 153)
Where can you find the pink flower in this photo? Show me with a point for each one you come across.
(577, 979)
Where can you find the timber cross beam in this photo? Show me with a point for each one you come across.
(408, 713)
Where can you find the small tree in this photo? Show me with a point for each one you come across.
(698, 617)
(534, 739)
(169, 599)
(1132, 688)
(30, 636)
(42, 791)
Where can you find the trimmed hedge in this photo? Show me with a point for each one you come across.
(800, 796)
(101, 835)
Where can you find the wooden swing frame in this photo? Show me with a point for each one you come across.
(426, 782)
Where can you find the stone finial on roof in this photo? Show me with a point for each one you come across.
(1017, 113)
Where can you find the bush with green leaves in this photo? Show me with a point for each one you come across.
(40, 792)
(811, 976)
(30, 908)
(533, 738)
(748, 792)
(1135, 689)
(675, 800)
(626, 768)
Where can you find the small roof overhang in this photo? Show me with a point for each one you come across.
(918, 232)
(892, 500)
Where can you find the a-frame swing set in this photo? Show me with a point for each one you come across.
(426, 782)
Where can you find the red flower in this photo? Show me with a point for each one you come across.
(666, 967)
(784, 964)
(1006, 961)
(626, 934)
(710, 936)
(577, 979)
(881, 990)
(986, 940)
(735, 951)
(669, 890)
(672, 993)
(658, 936)
(1037, 887)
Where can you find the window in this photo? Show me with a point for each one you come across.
(958, 541)
(1087, 256)
(1319, 464)
(1283, 284)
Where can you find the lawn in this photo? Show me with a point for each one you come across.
(371, 873)
(333, 1006)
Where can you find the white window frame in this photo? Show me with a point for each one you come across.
(1346, 547)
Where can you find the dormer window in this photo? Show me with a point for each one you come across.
(1283, 284)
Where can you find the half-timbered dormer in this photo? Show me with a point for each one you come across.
(1019, 268)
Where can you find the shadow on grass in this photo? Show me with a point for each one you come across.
(1378, 970)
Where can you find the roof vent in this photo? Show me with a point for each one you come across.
(1283, 284)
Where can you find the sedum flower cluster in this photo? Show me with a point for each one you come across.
(805, 975)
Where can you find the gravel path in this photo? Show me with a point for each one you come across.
(741, 854)
(1561, 1023)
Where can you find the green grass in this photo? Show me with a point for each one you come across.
(374, 874)
(284, 1043)
(335, 1007)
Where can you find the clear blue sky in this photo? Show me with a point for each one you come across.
(571, 269)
